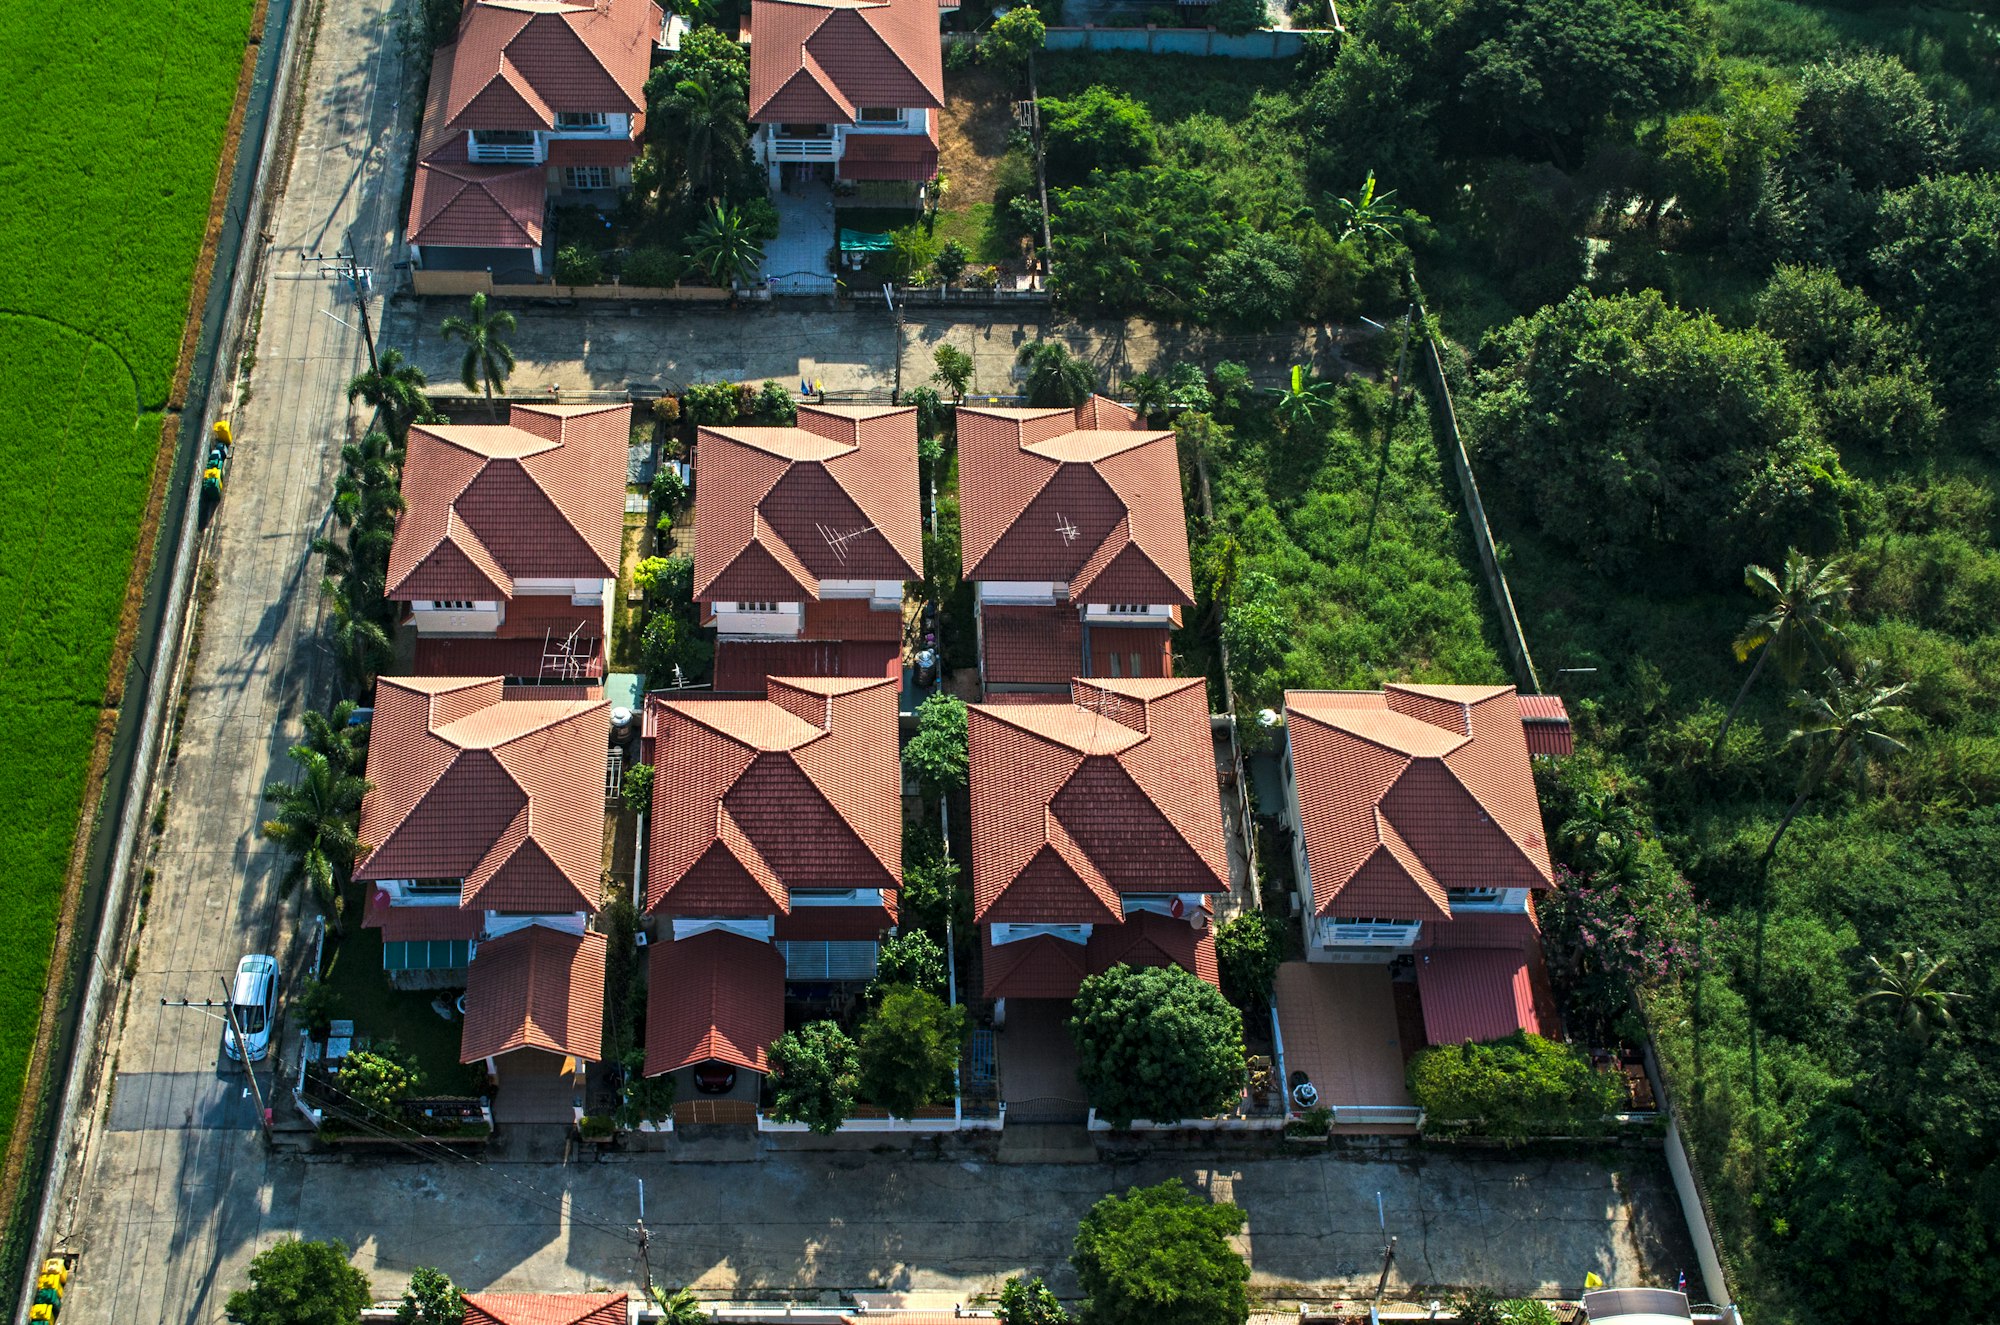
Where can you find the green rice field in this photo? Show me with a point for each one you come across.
(114, 116)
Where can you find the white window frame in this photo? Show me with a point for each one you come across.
(589, 177)
(757, 607)
(1370, 932)
(452, 605)
(581, 121)
(874, 117)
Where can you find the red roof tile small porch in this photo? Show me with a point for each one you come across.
(1026, 646)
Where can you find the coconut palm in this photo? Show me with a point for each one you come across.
(1839, 731)
(1599, 827)
(369, 485)
(1798, 622)
(317, 822)
(726, 247)
(1367, 212)
(1151, 395)
(708, 118)
(1056, 378)
(337, 737)
(680, 1307)
(1910, 986)
(487, 359)
(359, 641)
(394, 387)
(1305, 401)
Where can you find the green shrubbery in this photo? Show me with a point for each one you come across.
(1518, 1087)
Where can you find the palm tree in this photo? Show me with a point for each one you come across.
(954, 370)
(1305, 401)
(1910, 986)
(1839, 731)
(1056, 378)
(369, 485)
(1151, 395)
(726, 248)
(359, 641)
(487, 359)
(395, 388)
(1800, 619)
(337, 737)
(1367, 212)
(709, 119)
(680, 1307)
(317, 821)
(1600, 825)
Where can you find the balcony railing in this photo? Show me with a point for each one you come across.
(805, 149)
(494, 154)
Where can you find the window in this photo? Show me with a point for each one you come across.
(1114, 666)
(588, 177)
(451, 605)
(571, 120)
(879, 115)
(433, 887)
(503, 137)
(1135, 664)
(756, 607)
(1127, 609)
(1370, 931)
(1475, 894)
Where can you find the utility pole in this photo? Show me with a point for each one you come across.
(1388, 1247)
(242, 1046)
(645, 1241)
(346, 267)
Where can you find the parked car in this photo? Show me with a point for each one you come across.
(254, 1004)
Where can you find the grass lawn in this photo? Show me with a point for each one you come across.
(354, 971)
(114, 120)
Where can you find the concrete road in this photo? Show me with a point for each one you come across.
(803, 1224)
(173, 1191)
(615, 347)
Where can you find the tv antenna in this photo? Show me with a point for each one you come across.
(839, 542)
(564, 658)
(1068, 531)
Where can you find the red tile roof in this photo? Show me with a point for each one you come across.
(850, 619)
(779, 509)
(1545, 720)
(522, 660)
(715, 997)
(545, 1309)
(743, 667)
(516, 63)
(1151, 939)
(506, 796)
(410, 924)
(1040, 967)
(541, 496)
(752, 798)
(818, 61)
(1085, 498)
(891, 156)
(836, 924)
(535, 988)
(467, 206)
(1131, 651)
(1410, 791)
(1476, 994)
(1025, 644)
(1073, 804)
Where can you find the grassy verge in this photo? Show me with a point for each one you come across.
(354, 971)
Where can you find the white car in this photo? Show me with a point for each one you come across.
(254, 1005)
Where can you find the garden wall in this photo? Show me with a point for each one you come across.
(467, 283)
(1266, 44)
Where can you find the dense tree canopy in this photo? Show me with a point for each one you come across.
(301, 1283)
(1161, 1256)
(1156, 1042)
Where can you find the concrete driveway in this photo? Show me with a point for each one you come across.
(801, 1225)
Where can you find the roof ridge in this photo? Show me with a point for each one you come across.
(1007, 525)
(890, 46)
(1486, 810)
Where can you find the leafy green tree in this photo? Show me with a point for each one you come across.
(1868, 117)
(367, 493)
(814, 1071)
(377, 1081)
(1840, 730)
(487, 360)
(316, 824)
(395, 387)
(1056, 377)
(937, 753)
(1257, 624)
(1516, 1087)
(1631, 429)
(1161, 1256)
(776, 406)
(430, 1299)
(1367, 212)
(680, 1307)
(643, 1099)
(637, 788)
(1100, 128)
(1014, 38)
(314, 1005)
(301, 1283)
(727, 247)
(951, 261)
(1869, 380)
(1248, 949)
(674, 650)
(669, 579)
(912, 958)
(954, 370)
(1799, 622)
(695, 148)
(1156, 1042)
(1257, 283)
(1937, 261)
(908, 1053)
(577, 265)
(932, 894)
(1139, 240)
(1911, 987)
(1234, 18)
(1029, 1302)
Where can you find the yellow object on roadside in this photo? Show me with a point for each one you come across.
(221, 431)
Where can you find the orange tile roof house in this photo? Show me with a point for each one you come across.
(1097, 834)
(1075, 536)
(804, 537)
(484, 838)
(533, 98)
(1419, 837)
(546, 1309)
(851, 86)
(775, 853)
(509, 542)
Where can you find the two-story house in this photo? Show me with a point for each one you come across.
(846, 89)
(1418, 838)
(1097, 835)
(774, 857)
(534, 99)
(508, 545)
(484, 836)
(1075, 538)
(804, 537)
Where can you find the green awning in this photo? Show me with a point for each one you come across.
(861, 241)
(427, 955)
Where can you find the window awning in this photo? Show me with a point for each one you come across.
(1476, 994)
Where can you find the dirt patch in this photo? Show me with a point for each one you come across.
(973, 132)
